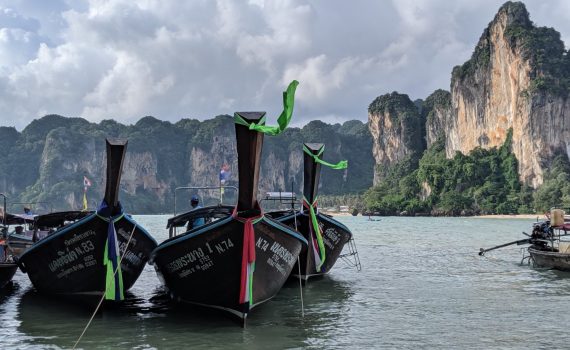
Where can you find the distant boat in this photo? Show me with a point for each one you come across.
(83, 258)
(18, 230)
(548, 245)
(28, 229)
(240, 260)
(326, 236)
(7, 266)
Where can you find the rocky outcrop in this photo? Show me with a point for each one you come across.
(517, 78)
(437, 112)
(397, 131)
(508, 83)
(46, 162)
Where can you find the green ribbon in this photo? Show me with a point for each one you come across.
(343, 164)
(317, 231)
(110, 291)
(282, 121)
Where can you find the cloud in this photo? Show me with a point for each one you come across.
(124, 60)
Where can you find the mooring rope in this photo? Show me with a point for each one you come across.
(103, 296)
(299, 268)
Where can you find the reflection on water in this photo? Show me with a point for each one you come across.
(422, 286)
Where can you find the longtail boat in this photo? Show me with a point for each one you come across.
(7, 266)
(36, 227)
(549, 246)
(103, 253)
(326, 236)
(240, 261)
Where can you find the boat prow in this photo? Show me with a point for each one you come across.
(238, 262)
(101, 254)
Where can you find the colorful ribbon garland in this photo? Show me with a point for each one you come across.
(248, 257)
(319, 254)
(282, 121)
(343, 164)
(114, 289)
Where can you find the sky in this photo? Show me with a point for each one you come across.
(125, 59)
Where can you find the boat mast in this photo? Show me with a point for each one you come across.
(116, 150)
(312, 172)
(249, 145)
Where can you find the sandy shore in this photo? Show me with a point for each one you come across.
(518, 216)
(497, 216)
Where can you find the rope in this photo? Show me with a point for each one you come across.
(103, 296)
(299, 266)
(301, 289)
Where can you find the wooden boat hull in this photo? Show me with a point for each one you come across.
(203, 266)
(18, 244)
(70, 261)
(7, 271)
(335, 236)
(549, 259)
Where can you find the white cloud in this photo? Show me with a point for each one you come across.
(172, 59)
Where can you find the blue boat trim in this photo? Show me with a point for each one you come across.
(285, 229)
(58, 233)
(283, 218)
(333, 221)
(191, 234)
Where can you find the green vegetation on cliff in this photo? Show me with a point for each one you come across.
(482, 182)
(542, 46)
(48, 159)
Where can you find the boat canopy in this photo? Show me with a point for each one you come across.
(16, 219)
(217, 212)
(280, 195)
(58, 219)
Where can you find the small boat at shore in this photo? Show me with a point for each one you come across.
(101, 254)
(548, 245)
(240, 260)
(326, 236)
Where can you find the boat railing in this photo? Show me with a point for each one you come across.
(34, 205)
(221, 190)
(351, 257)
(281, 197)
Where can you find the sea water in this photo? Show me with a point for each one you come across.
(422, 286)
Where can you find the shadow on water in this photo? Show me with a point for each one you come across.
(8, 291)
(159, 322)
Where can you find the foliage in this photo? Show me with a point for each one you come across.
(48, 159)
(541, 46)
(485, 181)
(555, 190)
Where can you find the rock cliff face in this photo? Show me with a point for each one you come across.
(46, 162)
(507, 84)
(518, 77)
(397, 131)
(437, 112)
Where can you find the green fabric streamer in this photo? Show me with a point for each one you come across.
(110, 290)
(343, 164)
(282, 121)
(251, 284)
(317, 231)
(110, 278)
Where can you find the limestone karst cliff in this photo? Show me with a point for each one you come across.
(397, 130)
(48, 159)
(517, 78)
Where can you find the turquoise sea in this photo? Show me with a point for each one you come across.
(422, 286)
